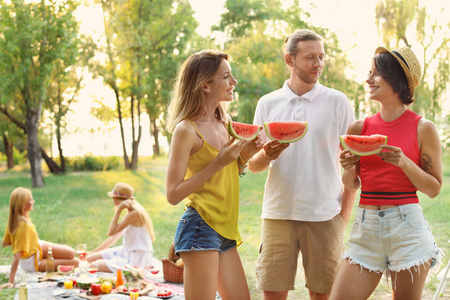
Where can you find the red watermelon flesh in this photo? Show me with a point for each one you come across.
(363, 145)
(65, 269)
(243, 131)
(286, 131)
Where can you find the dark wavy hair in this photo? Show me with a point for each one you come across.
(390, 70)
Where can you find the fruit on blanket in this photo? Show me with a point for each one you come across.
(122, 288)
(65, 269)
(96, 288)
(286, 131)
(243, 131)
(163, 293)
(106, 287)
(363, 145)
(84, 283)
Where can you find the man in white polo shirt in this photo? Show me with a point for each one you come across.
(305, 205)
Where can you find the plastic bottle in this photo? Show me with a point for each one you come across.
(119, 280)
(23, 291)
(50, 263)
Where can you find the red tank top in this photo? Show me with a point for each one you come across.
(383, 183)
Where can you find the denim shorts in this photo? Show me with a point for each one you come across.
(193, 234)
(393, 239)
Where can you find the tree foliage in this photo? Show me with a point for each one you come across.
(34, 38)
(144, 39)
(256, 31)
(409, 23)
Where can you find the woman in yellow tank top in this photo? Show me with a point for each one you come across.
(204, 166)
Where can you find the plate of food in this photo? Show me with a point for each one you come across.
(162, 294)
(144, 288)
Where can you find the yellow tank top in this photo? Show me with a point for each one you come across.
(217, 201)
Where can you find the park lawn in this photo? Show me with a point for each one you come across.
(74, 208)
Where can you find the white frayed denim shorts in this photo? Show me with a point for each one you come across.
(394, 239)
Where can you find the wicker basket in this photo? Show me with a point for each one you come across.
(172, 272)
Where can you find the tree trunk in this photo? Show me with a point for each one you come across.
(51, 164)
(8, 152)
(136, 141)
(134, 155)
(34, 149)
(122, 134)
(60, 149)
(155, 133)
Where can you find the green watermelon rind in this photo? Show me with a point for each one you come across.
(240, 137)
(60, 267)
(360, 153)
(267, 129)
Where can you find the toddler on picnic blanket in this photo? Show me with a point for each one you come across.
(29, 252)
(136, 228)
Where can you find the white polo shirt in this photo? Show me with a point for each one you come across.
(304, 182)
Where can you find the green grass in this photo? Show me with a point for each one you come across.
(75, 208)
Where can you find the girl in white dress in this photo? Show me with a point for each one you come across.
(136, 228)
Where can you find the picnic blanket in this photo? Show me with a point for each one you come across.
(46, 290)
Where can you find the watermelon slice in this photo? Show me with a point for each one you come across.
(286, 132)
(363, 145)
(65, 269)
(243, 131)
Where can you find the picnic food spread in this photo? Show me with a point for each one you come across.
(91, 286)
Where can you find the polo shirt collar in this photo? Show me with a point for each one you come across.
(291, 96)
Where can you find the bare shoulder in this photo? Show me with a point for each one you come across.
(426, 126)
(183, 128)
(427, 133)
(185, 138)
(355, 127)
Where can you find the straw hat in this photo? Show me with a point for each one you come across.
(122, 190)
(409, 62)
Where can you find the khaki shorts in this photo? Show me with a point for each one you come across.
(321, 245)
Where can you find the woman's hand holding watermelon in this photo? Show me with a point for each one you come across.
(230, 152)
(251, 148)
(393, 155)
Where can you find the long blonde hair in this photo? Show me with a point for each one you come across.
(19, 197)
(188, 99)
(144, 217)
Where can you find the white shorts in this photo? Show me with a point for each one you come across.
(394, 239)
(27, 264)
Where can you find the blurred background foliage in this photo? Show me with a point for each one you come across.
(45, 63)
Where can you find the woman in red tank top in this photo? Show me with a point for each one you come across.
(390, 233)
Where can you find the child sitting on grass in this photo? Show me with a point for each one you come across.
(29, 252)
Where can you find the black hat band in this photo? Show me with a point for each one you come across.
(401, 57)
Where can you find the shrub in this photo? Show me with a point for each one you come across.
(92, 163)
(19, 157)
